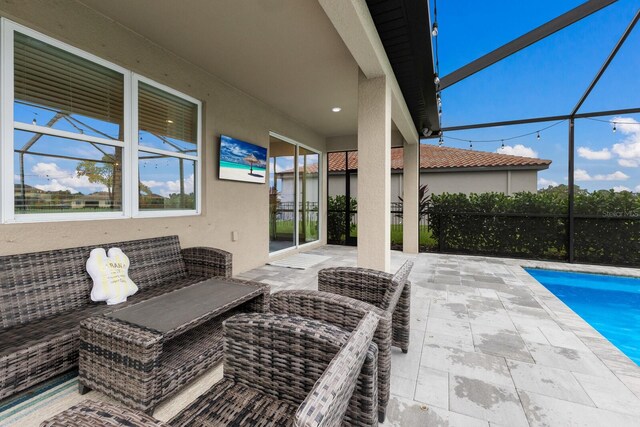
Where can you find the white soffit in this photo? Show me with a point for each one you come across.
(353, 22)
(286, 53)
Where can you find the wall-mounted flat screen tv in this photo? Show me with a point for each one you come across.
(242, 161)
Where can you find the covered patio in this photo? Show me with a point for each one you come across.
(491, 346)
(197, 142)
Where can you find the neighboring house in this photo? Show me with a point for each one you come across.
(100, 199)
(28, 196)
(284, 184)
(449, 170)
(31, 192)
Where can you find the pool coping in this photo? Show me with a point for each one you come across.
(612, 357)
(579, 268)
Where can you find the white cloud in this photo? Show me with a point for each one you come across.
(63, 180)
(238, 151)
(55, 186)
(628, 150)
(544, 183)
(628, 163)
(151, 183)
(590, 154)
(616, 176)
(49, 170)
(583, 175)
(619, 188)
(637, 189)
(166, 188)
(517, 150)
(626, 125)
(174, 186)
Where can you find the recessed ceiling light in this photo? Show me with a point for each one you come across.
(336, 109)
(169, 121)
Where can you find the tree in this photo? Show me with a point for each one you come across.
(149, 200)
(181, 201)
(562, 189)
(336, 218)
(274, 202)
(425, 200)
(105, 172)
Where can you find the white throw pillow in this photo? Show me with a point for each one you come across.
(110, 274)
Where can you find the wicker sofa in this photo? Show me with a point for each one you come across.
(45, 295)
(279, 370)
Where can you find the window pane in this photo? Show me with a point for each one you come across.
(166, 182)
(54, 175)
(166, 121)
(342, 214)
(282, 212)
(309, 195)
(57, 89)
(352, 160)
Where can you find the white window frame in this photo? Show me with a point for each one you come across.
(296, 168)
(320, 198)
(136, 147)
(129, 144)
(9, 28)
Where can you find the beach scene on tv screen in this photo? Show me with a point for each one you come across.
(241, 161)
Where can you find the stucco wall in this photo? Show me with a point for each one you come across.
(524, 181)
(465, 182)
(452, 182)
(480, 182)
(227, 206)
(288, 189)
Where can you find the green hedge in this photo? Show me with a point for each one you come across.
(607, 228)
(535, 225)
(336, 220)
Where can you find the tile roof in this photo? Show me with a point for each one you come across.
(312, 168)
(434, 157)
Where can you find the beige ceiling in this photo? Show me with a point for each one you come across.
(285, 53)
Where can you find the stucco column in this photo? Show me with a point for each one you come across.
(374, 173)
(410, 184)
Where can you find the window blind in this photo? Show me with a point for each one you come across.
(166, 115)
(53, 78)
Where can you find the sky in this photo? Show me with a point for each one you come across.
(545, 79)
(234, 151)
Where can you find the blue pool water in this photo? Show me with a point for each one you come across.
(611, 304)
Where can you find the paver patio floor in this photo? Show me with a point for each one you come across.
(491, 346)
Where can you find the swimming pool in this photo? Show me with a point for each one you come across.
(611, 304)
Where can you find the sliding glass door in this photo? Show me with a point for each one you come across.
(282, 194)
(294, 194)
(308, 196)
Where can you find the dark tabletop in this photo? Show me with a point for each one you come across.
(167, 312)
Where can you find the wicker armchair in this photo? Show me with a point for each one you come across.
(383, 290)
(278, 371)
(345, 313)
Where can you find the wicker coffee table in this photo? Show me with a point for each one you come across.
(143, 353)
